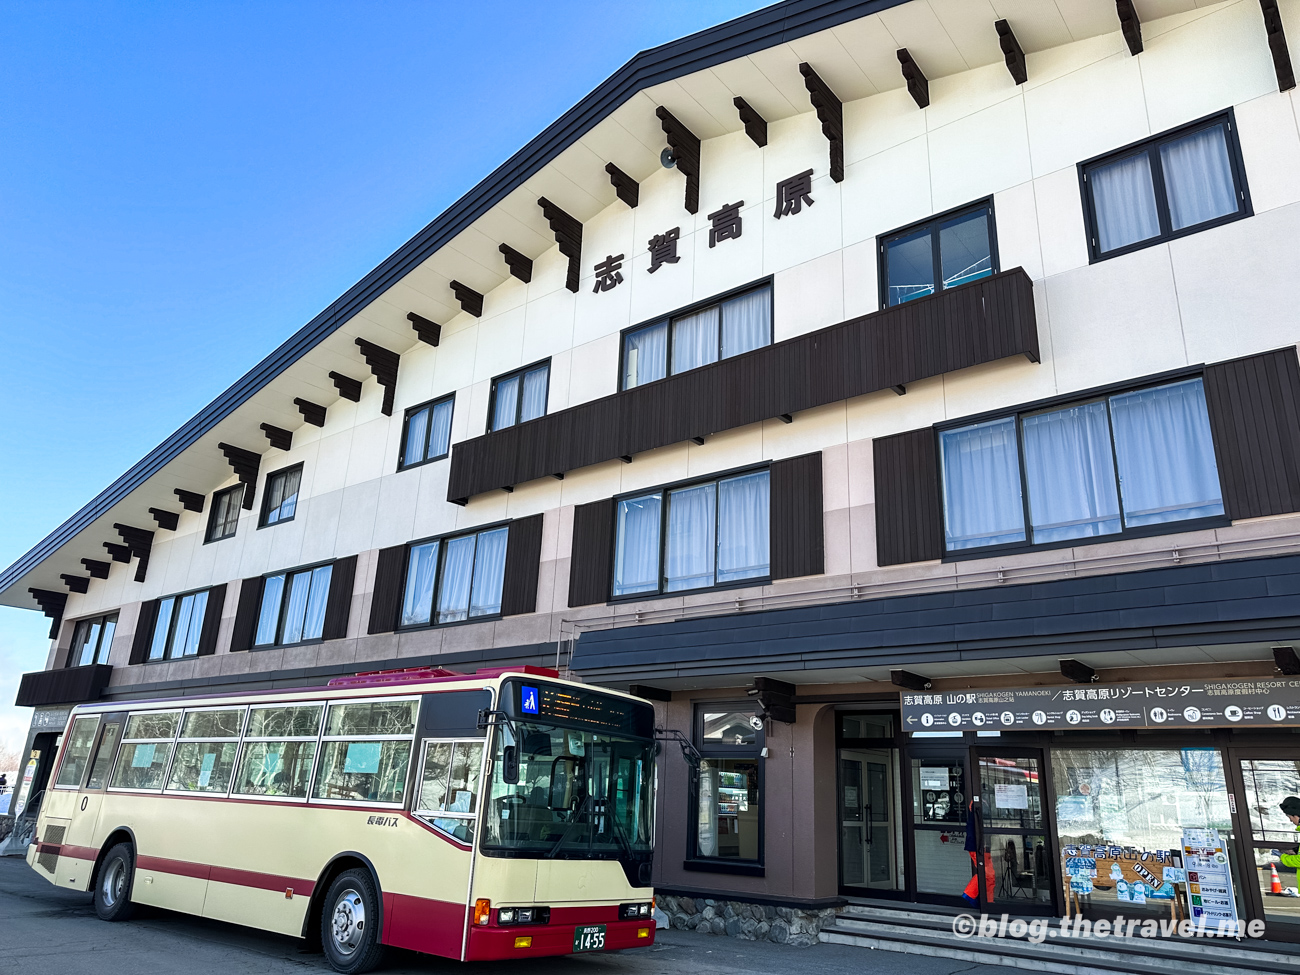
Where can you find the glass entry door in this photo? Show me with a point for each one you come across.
(942, 826)
(1269, 777)
(870, 806)
(1013, 833)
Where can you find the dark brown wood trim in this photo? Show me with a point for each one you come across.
(686, 152)
(830, 112)
(909, 526)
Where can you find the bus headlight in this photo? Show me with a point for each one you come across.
(506, 915)
(630, 912)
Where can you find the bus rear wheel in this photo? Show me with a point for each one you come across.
(113, 885)
(350, 924)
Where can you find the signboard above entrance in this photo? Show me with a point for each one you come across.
(1166, 704)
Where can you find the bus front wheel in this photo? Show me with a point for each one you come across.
(113, 886)
(350, 923)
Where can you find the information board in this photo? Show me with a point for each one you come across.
(1166, 704)
(1209, 876)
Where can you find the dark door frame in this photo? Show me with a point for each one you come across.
(949, 748)
(904, 825)
(1252, 898)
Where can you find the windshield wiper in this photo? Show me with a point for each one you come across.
(564, 837)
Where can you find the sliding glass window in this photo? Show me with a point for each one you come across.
(697, 337)
(449, 580)
(426, 434)
(293, 607)
(223, 517)
(519, 396)
(1129, 462)
(693, 537)
(943, 252)
(91, 640)
(1178, 183)
(178, 626)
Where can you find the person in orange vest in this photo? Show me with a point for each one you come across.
(971, 895)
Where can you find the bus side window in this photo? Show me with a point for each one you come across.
(449, 785)
(146, 751)
(76, 752)
(105, 754)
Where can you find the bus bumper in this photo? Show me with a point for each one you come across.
(496, 943)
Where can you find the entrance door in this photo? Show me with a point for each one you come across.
(1018, 876)
(941, 815)
(1268, 776)
(870, 806)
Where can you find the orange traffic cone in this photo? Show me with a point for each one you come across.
(1277, 881)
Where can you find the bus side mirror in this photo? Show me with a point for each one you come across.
(510, 764)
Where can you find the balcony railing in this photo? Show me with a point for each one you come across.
(978, 322)
(68, 685)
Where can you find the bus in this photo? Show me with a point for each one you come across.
(501, 814)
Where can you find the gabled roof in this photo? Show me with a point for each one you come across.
(753, 32)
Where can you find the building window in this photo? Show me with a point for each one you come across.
(693, 537)
(179, 625)
(92, 639)
(727, 804)
(449, 580)
(519, 396)
(1132, 462)
(426, 433)
(943, 252)
(1175, 184)
(223, 517)
(293, 607)
(280, 499)
(695, 338)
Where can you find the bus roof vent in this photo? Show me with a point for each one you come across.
(406, 675)
(520, 669)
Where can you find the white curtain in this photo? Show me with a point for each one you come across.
(489, 572)
(535, 383)
(981, 485)
(417, 426)
(421, 570)
(505, 403)
(695, 340)
(194, 631)
(457, 570)
(313, 626)
(645, 355)
(268, 618)
(636, 551)
(1070, 473)
(162, 626)
(296, 611)
(744, 527)
(692, 514)
(747, 323)
(440, 428)
(1198, 178)
(1167, 470)
(1125, 202)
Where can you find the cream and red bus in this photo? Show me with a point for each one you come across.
(503, 814)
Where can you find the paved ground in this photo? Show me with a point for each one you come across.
(47, 931)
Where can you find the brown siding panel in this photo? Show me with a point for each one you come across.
(250, 600)
(977, 322)
(797, 533)
(1254, 406)
(143, 631)
(212, 620)
(591, 558)
(338, 605)
(908, 523)
(390, 571)
(523, 559)
(71, 685)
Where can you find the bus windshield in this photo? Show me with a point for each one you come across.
(580, 794)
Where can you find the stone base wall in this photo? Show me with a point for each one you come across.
(740, 919)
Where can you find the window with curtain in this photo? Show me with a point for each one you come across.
(91, 640)
(223, 516)
(942, 252)
(280, 499)
(449, 580)
(1128, 462)
(178, 626)
(692, 537)
(519, 396)
(1177, 183)
(716, 330)
(426, 433)
(293, 607)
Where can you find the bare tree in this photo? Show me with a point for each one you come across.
(11, 759)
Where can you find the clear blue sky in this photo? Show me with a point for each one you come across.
(183, 185)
